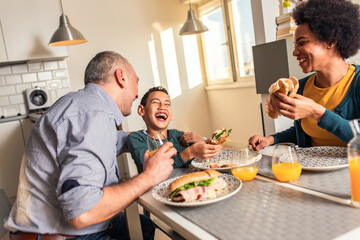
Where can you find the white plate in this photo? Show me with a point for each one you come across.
(161, 192)
(224, 157)
(324, 158)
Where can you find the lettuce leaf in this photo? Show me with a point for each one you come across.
(193, 185)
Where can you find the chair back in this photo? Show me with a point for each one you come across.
(5, 207)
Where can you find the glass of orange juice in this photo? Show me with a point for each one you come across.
(285, 162)
(245, 158)
(353, 152)
(155, 143)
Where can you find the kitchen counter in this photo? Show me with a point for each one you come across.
(9, 119)
(32, 116)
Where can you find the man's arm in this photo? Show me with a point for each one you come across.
(116, 198)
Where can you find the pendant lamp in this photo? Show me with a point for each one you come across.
(66, 34)
(192, 25)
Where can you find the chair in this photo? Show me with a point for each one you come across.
(5, 207)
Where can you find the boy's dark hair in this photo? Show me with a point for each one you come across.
(332, 21)
(153, 89)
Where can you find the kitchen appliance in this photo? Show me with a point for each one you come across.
(272, 61)
(38, 99)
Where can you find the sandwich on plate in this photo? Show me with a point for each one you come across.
(219, 136)
(288, 86)
(196, 186)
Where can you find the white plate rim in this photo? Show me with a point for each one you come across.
(224, 169)
(326, 168)
(197, 203)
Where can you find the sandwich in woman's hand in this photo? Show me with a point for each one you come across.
(196, 186)
(288, 86)
(219, 136)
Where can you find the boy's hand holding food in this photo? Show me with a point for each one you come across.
(201, 150)
(190, 137)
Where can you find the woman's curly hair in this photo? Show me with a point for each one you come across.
(332, 21)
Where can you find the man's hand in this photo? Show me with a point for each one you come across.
(259, 142)
(201, 150)
(190, 137)
(159, 167)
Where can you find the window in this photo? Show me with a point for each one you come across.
(227, 46)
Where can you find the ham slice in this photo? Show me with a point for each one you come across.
(200, 192)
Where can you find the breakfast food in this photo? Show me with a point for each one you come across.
(222, 165)
(219, 136)
(288, 86)
(196, 186)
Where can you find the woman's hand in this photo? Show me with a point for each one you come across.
(259, 142)
(297, 107)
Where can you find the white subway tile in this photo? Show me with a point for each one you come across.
(22, 109)
(45, 76)
(60, 74)
(10, 111)
(52, 95)
(54, 84)
(65, 83)
(39, 84)
(29, 77)
(62, 92)
(13, 79)
(5, 70)
(2, 81)
(35, 67)
(17, 99)
(4, 101)
(7, 90)
(62, 64)
(50, 65)
(21, 88)
(19, 68)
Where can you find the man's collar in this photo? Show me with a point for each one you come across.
(108, 100)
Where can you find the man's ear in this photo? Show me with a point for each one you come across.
(120, 78)
(141, 110)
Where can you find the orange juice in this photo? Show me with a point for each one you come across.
(152, 152)
(286, 172)
(245, 173)
(354, 168)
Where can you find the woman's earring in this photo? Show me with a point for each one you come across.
(328, 47)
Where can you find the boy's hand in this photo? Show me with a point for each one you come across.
(202, 150)
(190, 137)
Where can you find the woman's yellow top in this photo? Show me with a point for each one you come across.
(329, 98)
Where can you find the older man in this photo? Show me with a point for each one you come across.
(69, 181)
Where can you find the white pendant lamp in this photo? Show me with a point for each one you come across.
(66, 34)
(192, 25)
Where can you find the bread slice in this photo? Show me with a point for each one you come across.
(288, 86)
(193, 177)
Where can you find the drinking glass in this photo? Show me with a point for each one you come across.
(245, 158)
(353, 152)
(285, 162)
(155, 143)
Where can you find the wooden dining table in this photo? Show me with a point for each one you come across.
(315, 206)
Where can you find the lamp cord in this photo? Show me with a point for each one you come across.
(61, 6)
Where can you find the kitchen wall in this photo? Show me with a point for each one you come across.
(15, 79)
(127, 27)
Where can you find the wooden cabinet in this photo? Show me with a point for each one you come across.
(12, 146)
(27, 27)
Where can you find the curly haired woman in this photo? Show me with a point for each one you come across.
(328, 33)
